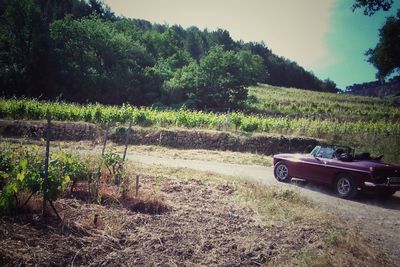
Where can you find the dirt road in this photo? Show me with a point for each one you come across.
(377, 220)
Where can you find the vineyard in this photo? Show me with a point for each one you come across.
(366, 123)
(22, 174)
(298, 103)
(104, 219)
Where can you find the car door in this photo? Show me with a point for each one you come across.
(325, 174)
(311, 168)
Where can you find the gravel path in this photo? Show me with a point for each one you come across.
(377, 220)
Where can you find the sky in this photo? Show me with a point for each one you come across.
(323, 36)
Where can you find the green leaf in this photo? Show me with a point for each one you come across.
(21, 176)
(23, 163)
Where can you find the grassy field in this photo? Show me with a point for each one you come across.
(298, 103)
(367, 123)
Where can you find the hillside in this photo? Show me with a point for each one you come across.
(367, 123)
(88, 54)
(297, 103)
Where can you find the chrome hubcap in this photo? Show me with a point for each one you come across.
(343, 186)
(282, 172)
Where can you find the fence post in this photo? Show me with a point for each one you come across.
(127, 139)
(46, 164)
(105, 140)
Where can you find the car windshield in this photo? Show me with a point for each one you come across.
(330, 151)
(323, 152)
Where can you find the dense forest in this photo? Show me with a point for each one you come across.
(80, 51)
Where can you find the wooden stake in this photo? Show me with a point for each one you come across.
(55, 211)
(98, 173)
(105, 139)
(127, 139)
(46, 164)
(137, 185)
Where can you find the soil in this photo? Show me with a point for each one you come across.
(375, 218)
(192, 222)
(202, 225)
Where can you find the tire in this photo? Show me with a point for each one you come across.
(281, 172)
(344, 186)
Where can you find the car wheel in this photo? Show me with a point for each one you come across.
(344, 186)
(281, 172)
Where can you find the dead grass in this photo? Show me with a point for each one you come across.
(205, 155)
(186, 217)
(320, 238)
(243, 158)
(146, 203)
(328, 240)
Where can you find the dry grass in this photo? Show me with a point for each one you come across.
(320, 238)
(205, 155)
(243, 158)
(145, 203)
(329, 241)
(186, 217)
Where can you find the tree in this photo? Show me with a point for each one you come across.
(219, 80)
(372, 6)
(329, 86)
(194, 42)
(386, 55)
(99, 63)
(24, 43)
(222, 37)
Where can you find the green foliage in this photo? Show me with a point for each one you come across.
(279, 71)
(71, 165)
(386, 55)
(23, 39)
(370, 123)
(21, 170)
(80, 51)
(295, 111)
(115, 165)
(102, 59)
(250, 124)
(372, 6)
(219, 80)
(297, 103)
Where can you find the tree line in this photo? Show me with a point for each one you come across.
(80, 51)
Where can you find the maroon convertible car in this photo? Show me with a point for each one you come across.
(337, 166)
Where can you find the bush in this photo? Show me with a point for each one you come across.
(22, 170)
